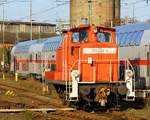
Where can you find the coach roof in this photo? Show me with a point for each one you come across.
(52, 43)
(40, 45)
(132, 34)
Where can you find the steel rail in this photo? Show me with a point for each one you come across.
(36, 110)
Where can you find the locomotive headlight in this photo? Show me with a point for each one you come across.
(95, 30)
(75, 74)
(129, 73)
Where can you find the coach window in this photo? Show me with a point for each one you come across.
(31, 57)
(49, 66)
(43, 65)
(17, 66)
(36, 56)
(53, 67)
(104, 37)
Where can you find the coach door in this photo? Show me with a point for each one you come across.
(32, 64)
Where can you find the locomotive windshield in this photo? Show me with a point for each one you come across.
(80, 36)
(75, 37)
(83, 36)
(104, 37)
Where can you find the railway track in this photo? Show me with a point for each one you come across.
(14, 87)
(53, 103)
(36, 99)
(41, 101)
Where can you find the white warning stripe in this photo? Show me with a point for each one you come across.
(99, 50)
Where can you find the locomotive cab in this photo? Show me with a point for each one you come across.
(86, 64)
(94, 52)
(91, 58)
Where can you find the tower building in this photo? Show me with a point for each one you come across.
(95, 12)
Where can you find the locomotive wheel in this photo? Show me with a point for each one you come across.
(65, 102)
(61, 94)
(87, 107)
(112, 100)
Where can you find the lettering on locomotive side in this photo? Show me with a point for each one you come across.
(99, 50)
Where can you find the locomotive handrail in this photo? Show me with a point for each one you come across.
(128, 66)
(128, 62)
(95, 61)
(101, 61)
(110, 62)
(115, 61)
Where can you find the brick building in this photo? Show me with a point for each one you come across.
(13, 26)
(13, 29)
(97, 12)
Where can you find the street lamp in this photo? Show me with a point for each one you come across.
(31, 19)
(3, 62)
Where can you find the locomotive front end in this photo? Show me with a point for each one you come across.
(94, 57)
(86, 65)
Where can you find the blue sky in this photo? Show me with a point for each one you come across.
(140, 7)
(44, 10)
(50, 10)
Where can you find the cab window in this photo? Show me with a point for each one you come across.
(75, 37)
(81, 36)
(104, 37)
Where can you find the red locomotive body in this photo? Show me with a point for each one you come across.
(90, 50)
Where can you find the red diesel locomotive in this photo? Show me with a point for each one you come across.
(82, 64)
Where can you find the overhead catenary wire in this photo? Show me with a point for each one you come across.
(43, 11)
(8, 2)
(65, 2)
(134, 7)
(132, 3)
(122, 4)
